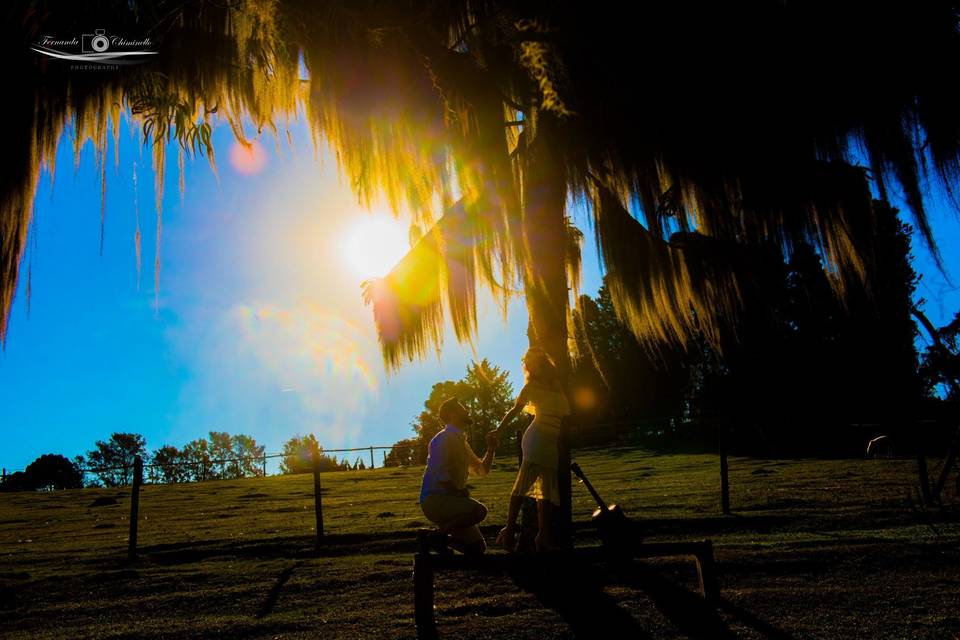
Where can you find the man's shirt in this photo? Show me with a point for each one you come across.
(448, 462)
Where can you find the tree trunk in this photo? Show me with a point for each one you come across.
(547, 295)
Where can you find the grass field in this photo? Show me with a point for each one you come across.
(825, 549)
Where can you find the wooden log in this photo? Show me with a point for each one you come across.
(701, 550)
(135, 507)
(426, 564)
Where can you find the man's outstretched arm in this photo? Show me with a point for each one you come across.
(482, 467)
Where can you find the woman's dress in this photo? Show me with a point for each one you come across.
(537, 477)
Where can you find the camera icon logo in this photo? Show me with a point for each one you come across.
(96, 42)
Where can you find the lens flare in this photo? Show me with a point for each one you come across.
(305, 344)
(584, 398)
(318, 359)
(248, 159)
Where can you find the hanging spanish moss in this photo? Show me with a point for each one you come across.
(733, 125)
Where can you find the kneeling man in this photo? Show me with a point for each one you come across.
(444, 497)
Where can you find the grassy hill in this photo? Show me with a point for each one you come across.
(814, 549)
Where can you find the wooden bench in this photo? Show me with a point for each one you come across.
(425, 564)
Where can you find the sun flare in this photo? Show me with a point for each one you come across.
(372, 245)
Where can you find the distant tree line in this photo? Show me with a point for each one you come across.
(220, 456)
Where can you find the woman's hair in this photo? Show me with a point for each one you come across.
(539, 366)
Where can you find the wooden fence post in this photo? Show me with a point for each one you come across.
(317, 504)
(724, 471)
(947, 465)
(922, 471)
(423, 590)
(264, 465)
(135, 506)
(371, 457)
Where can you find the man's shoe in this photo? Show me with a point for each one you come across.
(439, 542)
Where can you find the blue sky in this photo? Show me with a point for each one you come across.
(259, 326)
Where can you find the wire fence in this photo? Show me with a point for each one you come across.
(207, 469)
(316, 457)
(651, 431)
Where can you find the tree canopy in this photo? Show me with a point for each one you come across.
(297, 456)
(112, 460)
(802, 367)
(731, 124)
(49, 471)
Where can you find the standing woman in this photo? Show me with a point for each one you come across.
(542, 396)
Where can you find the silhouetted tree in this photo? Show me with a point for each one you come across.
(297, 456)
(196, 454)
(798, 362)
(489, 396)
(625, 379)
(940, 367)
(53, 471)
(221, 452)
(803, 361)
(112, 460)
(168, 465)
(17, 481)
(403, 453)
(249, 455)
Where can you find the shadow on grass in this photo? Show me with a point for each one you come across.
(692, 615)
(274, 594)
(572, 588)
(292, 547)
(746, 618)
(575, 591)
(689, 612)
(404, 540)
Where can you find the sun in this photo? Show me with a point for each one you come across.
(373, 244)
